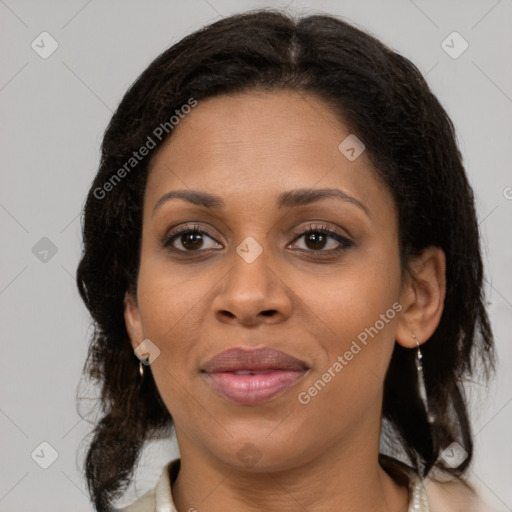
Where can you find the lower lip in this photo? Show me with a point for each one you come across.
(252, 389)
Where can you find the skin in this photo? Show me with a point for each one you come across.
(322, 456)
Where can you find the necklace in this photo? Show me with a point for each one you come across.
(419, 501)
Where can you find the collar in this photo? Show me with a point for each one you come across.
(163, 496)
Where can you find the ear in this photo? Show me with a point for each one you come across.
(422, 297)
(132, 320)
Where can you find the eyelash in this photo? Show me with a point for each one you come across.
(322, 229)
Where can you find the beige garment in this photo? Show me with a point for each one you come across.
(426, 496)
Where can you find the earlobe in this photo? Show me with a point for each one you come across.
(422, 298)
(132, 320)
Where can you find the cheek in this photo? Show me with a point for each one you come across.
(171, 319)
(347, 302)
(348, 383)
(170, 306)
(356, 312)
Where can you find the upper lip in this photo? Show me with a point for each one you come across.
(258, 359)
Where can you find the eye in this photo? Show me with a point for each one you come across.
(316, 239)
(191, 239)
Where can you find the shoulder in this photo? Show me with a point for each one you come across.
(453, 495)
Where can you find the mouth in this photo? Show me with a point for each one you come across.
(253, 376)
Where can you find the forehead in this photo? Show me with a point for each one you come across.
(258, 144)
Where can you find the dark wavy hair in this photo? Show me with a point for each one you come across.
(384, 99)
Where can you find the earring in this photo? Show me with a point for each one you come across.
(421, 382)
(141, 370)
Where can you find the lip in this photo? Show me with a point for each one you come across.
(253, 375)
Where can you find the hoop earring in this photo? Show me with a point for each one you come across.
(421, 382)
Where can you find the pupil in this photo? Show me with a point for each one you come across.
(317, 239)
(191, 238)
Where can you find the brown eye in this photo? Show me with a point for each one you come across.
(316, 239)
(190, 239)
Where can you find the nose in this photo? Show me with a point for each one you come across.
(252, 292)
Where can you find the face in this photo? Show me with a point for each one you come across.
(254, 277)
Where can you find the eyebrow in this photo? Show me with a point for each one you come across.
(289, 199)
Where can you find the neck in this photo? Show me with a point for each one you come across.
(345, 477)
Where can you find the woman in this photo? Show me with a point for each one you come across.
(282, 260)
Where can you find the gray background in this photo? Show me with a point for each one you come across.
(53, 114)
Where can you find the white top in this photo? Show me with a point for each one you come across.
(426, 496)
